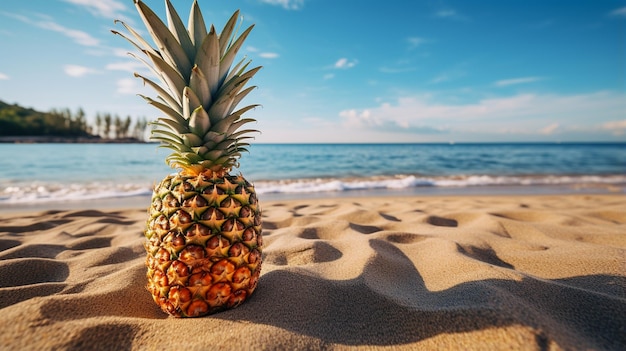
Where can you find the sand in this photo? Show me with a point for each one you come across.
(486, 272)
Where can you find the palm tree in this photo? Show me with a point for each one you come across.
(80, 124)
(126, 126)
(140, 128)
(98, 129)
(107, 125)
(118, 127)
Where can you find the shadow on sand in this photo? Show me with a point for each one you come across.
(399, 309)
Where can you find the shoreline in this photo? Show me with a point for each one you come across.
(143, 201)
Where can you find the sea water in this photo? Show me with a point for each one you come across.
(39, 173)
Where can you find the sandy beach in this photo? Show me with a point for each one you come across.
(540, 272)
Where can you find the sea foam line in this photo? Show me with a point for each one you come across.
(41, 192)
(410, 181)
(55, 192)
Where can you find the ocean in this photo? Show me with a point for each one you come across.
(45, 173)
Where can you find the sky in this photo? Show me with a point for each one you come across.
(353, 71)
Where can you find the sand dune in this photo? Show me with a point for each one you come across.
(529, 273)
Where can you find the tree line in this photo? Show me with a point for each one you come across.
(108, 126)
(18, 121)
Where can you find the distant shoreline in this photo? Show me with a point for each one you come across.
(67, 140)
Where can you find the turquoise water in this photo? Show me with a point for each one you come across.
(31, 173)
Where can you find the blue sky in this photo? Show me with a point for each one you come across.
(354, 70)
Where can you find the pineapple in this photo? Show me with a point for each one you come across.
(203, 233)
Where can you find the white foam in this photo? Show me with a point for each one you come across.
(41, 192)
(410, 181)
(55, 192)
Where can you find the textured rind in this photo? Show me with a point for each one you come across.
(203, 243)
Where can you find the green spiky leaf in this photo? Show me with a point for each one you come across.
(191, 139)
(171, 77)
(200, 86)
(208, 60)
(176, 26)
(197, 28)
(199, 122)
(231, 52)
(196, 86)
(171, 102)
(167, 44)
(190, 102)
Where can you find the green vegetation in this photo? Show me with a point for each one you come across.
(18, 121)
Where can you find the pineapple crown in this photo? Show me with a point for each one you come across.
(199, 89)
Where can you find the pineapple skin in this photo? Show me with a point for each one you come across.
(203, 242)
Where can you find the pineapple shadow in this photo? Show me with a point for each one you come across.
(389, 304)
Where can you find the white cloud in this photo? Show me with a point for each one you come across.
(329, 76)
(102, 8)
(129, 66)
(4, 76)
(268, 55)
(17, 17)
(344, 63)
(444, 77)
(286, 4)
(78, 71)
(450, 14)
(119, 52)
(367, 119)
(128, 86)
(452, 74)
(359, 119)
(415, 42)
(549, 129)
(522, 113)
(515, 81)
(615, 127)
(446, 13)
(78, 36)
(620, 12)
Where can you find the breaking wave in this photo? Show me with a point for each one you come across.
(41, 192)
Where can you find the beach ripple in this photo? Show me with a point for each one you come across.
(524, 273)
